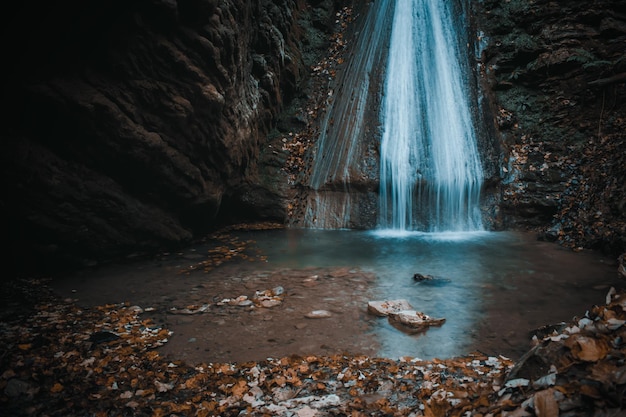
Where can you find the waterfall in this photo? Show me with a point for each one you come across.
(397, 142)
(341, 190)
(430, 170)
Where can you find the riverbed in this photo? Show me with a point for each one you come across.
(493, 288)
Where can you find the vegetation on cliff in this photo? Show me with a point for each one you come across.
(554, 73)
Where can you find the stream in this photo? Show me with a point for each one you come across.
(493, 288)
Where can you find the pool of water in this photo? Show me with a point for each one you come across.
(493, 288)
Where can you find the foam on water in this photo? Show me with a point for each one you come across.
(430, 236)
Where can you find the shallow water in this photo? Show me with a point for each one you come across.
(493, 288)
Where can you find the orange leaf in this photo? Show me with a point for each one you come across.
(152, 355)
(545, 404)
(240, 389)
(56, 388)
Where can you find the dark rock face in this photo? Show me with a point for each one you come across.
(555, 75)
(131, 126)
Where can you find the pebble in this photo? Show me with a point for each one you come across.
(270, 303)
(318, 314)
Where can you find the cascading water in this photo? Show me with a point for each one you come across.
(430, 170)
(429, 175)
(341, 189)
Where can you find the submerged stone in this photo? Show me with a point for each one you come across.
(419, 277)
(430, 280)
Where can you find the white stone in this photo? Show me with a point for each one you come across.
(318, 314)
(384, 308)
(272, 302)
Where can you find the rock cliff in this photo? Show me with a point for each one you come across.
(130, 127)
(554, 74)
(135, 126)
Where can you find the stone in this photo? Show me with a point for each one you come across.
(269, 303)
(419, 277)
(241, 301)
(269, 298)
(384, 308)
(415, 319)
(318, 314)
(16, 387)
(276, 291)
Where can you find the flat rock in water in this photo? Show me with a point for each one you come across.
(387, 307)
(415, 319)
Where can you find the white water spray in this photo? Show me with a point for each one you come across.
(431, 175)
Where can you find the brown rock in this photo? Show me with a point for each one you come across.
(415, 319)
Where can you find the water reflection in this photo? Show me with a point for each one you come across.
(492, 287)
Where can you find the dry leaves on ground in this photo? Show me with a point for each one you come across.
(64, 360)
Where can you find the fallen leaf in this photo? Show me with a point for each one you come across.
(56, 388)
(587, 349)
(546, 404)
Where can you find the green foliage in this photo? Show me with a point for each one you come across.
(587, 59)
(515, 73)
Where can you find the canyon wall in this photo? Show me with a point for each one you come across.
(132, 127)
(554, 78)
(129, 127)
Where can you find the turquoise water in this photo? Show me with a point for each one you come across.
(492, 287)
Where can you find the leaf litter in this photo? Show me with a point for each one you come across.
(64, 360)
